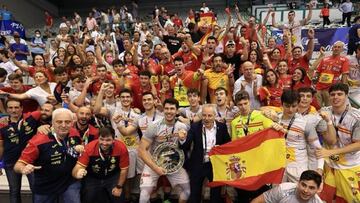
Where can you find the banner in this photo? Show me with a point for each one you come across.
(323, 37)
(250, 162)
(326, 38)
(8, 27)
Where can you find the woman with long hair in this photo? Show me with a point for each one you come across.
(38, 64)
(271, 89)
(282, 70)
(298, 79)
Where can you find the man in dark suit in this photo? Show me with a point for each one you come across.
(204, 135)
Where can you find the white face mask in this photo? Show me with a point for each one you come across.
(37, 35)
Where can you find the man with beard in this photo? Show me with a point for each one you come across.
(165, 66)
(46, 111)
(15, 132)
(86, 131)
(189, 53)
(206, 57)
(164, 130)
(51, 157)
(216, 77)
(103, 167)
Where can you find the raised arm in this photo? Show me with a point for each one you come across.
(308, 18)
(238, 15)
(310, 45)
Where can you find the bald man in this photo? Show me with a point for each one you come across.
(332, 69)
(250, 82)
(51, 157)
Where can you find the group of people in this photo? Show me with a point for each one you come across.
(107, 98)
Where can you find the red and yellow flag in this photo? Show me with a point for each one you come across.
(251, 161)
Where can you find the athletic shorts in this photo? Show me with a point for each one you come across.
(149, 178)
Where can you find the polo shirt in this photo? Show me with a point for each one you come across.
(101, 167)
(56, 160)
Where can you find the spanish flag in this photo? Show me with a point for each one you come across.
(250, 162)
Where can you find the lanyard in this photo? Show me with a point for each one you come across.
(172, 131)
(153, 119)
(340, 121)
(61, 143)
(127, 121)
(246, 126)
(289, 126)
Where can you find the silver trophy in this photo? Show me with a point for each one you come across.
(168, 156)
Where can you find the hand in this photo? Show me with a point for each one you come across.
(182, 134)
(88, 82)
(44, 129)
(65, 98)
(278, 127)
(117, 118)
(81, 173)
(311, 33)
(324, 115)
(160, 171)
(320, 171)
(104, 87)
(116, 191)
(79, 148)
(230, 69)
(273, 14)
(322, 51)
(323, 153)
(29, 168)
(51, 99)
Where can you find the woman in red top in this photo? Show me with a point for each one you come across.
(271, 90)
(37, 65)
(325, 13)
(129, 63)
(284, 77)
(298, 79)
(275, 57)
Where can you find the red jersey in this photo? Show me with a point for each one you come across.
(29, 105)
(286, 81)
(295, 63)
(270, 96)
(190, 60)
(47, 71)
(330, 70)
(117, 159)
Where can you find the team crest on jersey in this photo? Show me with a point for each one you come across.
(112, 160)
(236, 168)
(335, 157)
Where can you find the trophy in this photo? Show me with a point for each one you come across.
(168, 156)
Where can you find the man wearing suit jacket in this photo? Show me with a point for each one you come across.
(204, 134)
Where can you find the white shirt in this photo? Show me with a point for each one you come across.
(10, 68)
(205, 9)
(39, 94)
(255, 104)
(209, 140)
(346, 7)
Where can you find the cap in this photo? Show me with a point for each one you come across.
(230, 42)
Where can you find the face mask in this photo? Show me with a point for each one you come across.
(37, 35)
(109, 60)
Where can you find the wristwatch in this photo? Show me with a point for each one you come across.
(119, 186)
